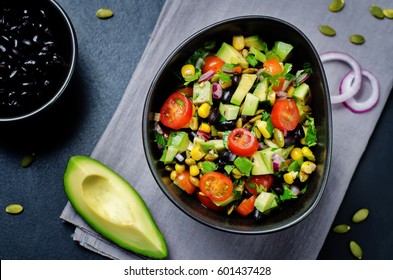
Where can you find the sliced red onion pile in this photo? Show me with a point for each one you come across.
(351, 84)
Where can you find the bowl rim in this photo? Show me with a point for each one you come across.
(70, 72)
(329, 128)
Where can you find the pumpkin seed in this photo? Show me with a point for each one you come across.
(388, 13)
(376, 11)
(357, 39)
(104, 13)
(356, 250)
(336, 5)
(28, 160)
(327, 30)
(342, 228)
(360, 215)
(14, 209)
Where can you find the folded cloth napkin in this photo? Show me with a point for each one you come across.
(120, 147)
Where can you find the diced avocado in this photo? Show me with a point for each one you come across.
(254, 41)
(259, 165)
(226, 201)
(270, 143)
(244, 165)
(218, 144)
(302, 94)
(229, 111)
(230, 55)
(206, 146)
(258, 54)
(265, 202)
(179, 140)
(203, 93)
(250, 105)
(304, 111)
(169, 154)
(245, 84)
(282, 50)
(261, 90)
(112, 207)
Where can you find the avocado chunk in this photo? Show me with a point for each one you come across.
(112, 207)
(258, 54)
(262, 163)
(169, 154)
(244, 165)
(179, 140)
(261, 90)
(282, 50)
(203, 93)
(230, 55)
(265, 202)
(245, 84)
(254, 41)
(302, 94)
(229, 111)
(250, 105)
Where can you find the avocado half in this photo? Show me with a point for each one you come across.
(112, 207)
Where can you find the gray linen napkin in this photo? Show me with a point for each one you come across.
(120, 147)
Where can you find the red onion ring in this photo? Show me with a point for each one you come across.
(357, 72)
(206, 76)
(360, 106)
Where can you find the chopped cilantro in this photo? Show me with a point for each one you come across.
(311, 132)
(288, 194)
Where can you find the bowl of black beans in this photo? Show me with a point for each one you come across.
(38, 53)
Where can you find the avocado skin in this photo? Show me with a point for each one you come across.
(137, 231)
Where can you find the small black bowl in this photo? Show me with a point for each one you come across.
(271, 30)
(38, 53)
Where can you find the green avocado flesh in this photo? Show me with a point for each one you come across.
(112, 207)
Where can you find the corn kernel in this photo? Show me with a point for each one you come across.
(238, 42)
(194, 181)
(290, 91)
(194, 123)
(205, 127)
(225, 85)
(308, 167)
(173, 175)
(204, 110)
(197, 153)
(188, 71)
(261, 125)
(303, 176)
(239, 123)
(194, 170)
(211, 157)
(190, 161)
(244, 52)
(288, 178)
(271, 96)
(179, 168)
(296, 154)
(307, 153)
(236, 173)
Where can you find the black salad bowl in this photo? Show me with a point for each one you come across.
(38, 54)
(165, 82)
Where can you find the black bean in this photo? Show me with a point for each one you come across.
(226, 125)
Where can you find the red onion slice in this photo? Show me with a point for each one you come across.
(217, 91)
(365, 105)
(206, 76)
(357, 72)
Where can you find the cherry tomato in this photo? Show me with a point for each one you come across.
(208, 203)
(183, 181)
(246, 206)
(285, 115)
(176, 111)
(242, 142)
(216, 186)
(257, 183)
(280, 84)
(272, 66)
(212, 63)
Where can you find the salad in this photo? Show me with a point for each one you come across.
(238, 133)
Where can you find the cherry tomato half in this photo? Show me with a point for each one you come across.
(246, 206)
(216, 186)
(176, 111)
(208, 203)
(183, 181)
(257, 183)
(242, 142)
(212, 63)
(280, 84)
(285, 115)
(272, 66)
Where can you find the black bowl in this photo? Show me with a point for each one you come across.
(271, 30)
(38, 48)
